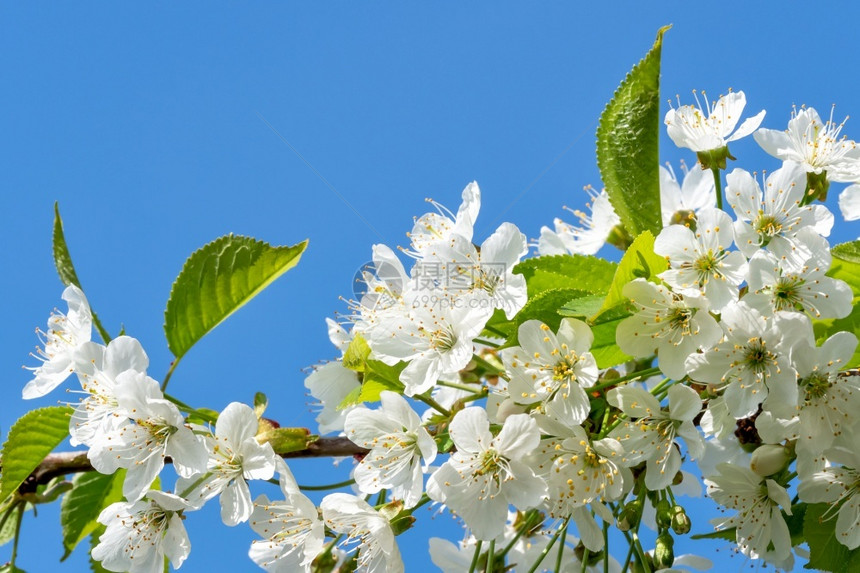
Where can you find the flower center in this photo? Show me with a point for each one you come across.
(786, 292)
(767, 227)
(816, 385)
(443, 340)
(490, 463)
(757, 358)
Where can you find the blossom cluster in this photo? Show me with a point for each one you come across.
(511, 422)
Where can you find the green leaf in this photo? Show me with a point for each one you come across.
(9, 568)
(847, 251)
(80, 508)
(795, 523)
(378, 377)
(583, 307)
(627, 145)
(565, 271)
(8, 519)
(727, 534)
(825, 551)
(640, 260)
(261, 402)
(824, 329)
(604, 348)
(95, 566)
(543, 307)
(32, 437)
(216, 281)
(65, 268)
(356, 353)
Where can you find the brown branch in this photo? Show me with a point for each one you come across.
(63, 463)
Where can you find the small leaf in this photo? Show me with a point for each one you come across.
(640, 261)
(847, 252)
(95, 566)
(825, 551)
(795, 523)
(627, 145)
(583, 307)
(261, 402)
(727, 534)
(80, 508)
(351, 399)
(216, 281)
(356, 353)
(604, 348)
(65, 268)
(8, 519)
(32, 437)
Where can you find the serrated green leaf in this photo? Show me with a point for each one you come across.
(65, 268)
(8, 520)
(627, 145)
(216, 281)
(565, 271)
(356, 353)
(95, 566)
(583, 307)
(545, 308)
(604, 348)
(640, 261)
(80, 508)
(31, 438)
(847, 251)
(825, 551)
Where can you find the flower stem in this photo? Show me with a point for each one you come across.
(718, 185)
(167, 376)
(433, 404)
(18, 519)
(328, 486)
(560, 553)
(490, 551)
(549, 546)
(647, 373)
(475, 556)
(463, 387)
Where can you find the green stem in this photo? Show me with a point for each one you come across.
(527, 526)
(189, 410)
(463, 387)
(18, 519)
(642, 559)
(489, 366)
(169, 373)
(718, 185)
(475, 556)
(496, 331)
(187, 491)
(325, 487)
(647, 373)
(490, 551)
(433, 404)
(549, 546)
(605, 547)
(101, 329)
(560, 553)
(485, 342)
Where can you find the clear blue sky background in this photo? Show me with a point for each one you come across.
(144, 122)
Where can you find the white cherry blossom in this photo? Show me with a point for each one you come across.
(761, 528)
(710, 127)
(433, 228)
(678, 202)
(775, 286)
(650, 431)
(814, 144)
(775, 219)
(234, 457)
(66, 333)
(486, 473)
(849, 203)
(397, 444)
(672, 325)
(835, 485)
(155, 430)
(140, 534)
(553, 368)
(293, 533)
(587, 238)
(700, 262)
(378, 551)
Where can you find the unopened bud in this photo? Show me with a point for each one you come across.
(714, 157)
(508, 408)
(681, 523)
(664, 514)
(769, 459)
(630, 515)
(664, 553)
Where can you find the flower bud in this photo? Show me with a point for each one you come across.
(664, 554)
(630, 515)
(681, 523)
(714, 157)
(664, 514)
(508, 408)
(769, 459)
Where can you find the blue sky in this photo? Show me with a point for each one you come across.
(149, 123)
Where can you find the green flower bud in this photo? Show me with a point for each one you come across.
(664, 514)
(714, 157)
(681, 523)
(664, 554)
(630, 515)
